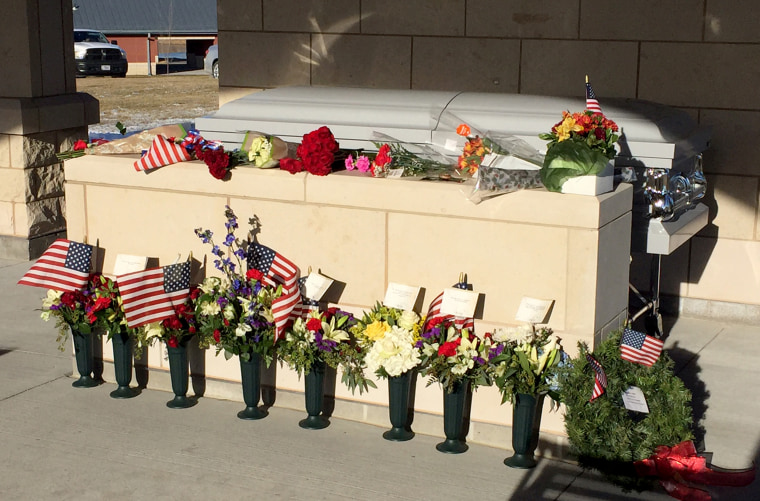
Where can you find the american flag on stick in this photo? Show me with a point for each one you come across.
(277, 270)
(162, 152)
(434, 312)
(64, 266)
(591, 103)
(639, 348)
(151, 295)
(600, 378)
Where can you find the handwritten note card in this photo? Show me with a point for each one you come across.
(459, 302)
(316, 285)
(126, 263)
(533, 310)
(401, 296)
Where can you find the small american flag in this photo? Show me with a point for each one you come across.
(639, 348)
(305, 305)
(277, 270)
(64, 266)
(591, 103)
(151, 295)
(600, 379)
(434, 312)
(162, 152)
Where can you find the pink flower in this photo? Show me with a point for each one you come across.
(350, 163)
(362, 163)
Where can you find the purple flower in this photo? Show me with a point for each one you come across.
(222, 301)
(479, 360)
(229, 240)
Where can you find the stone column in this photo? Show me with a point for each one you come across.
(40, 114)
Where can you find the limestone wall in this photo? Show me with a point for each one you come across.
(695, 54)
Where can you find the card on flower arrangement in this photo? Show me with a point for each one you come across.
(401, 296)
(459, 302)
(533, 311)
(634, 400)
(316, 285)
(127, 263)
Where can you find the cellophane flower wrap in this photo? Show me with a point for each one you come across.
(325, 336)
(452, 355)
(580, 144)
(530, 363)
(388, 339)
(234, 312)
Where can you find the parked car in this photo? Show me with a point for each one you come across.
(95, 55)
(211, 61)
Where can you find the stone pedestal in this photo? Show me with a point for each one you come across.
(40, 114)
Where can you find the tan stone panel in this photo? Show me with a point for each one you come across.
(734, 21)
(482, 65)
(281, 59)
(419, 253)
(5, 150)
(522, 19)
(734, 148)
(725, 270)
(21, 220)
(360, 61)
(6, 218)
(724, 72)
(676, 20)
(559, 67)
(448, 199)
(423, 17)
(12, 185)
(76, 213)
(315, 16)
(733, 207)
(238, 15)
(346, 244)
(150, 223)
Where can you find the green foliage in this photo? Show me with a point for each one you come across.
(603, 433)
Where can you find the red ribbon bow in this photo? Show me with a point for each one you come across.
(678, 466)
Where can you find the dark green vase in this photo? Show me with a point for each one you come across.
(524, 414)
(250, 377)
(180, 373)
(122, 365)
(398, 407)
(314, 392)
(453, 419)
(84, 358)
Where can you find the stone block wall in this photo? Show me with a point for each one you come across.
(699, 55)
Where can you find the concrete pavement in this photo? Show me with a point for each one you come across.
(59, 442)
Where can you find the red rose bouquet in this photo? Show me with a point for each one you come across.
(316, 153)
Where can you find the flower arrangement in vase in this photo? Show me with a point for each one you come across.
(581, 144)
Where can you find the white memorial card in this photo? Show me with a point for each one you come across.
(533, 310)
(126, 263)
(401, 296)
(394, 173)
(450, 144)
(634, 400)
(316, 285)
(459, 302)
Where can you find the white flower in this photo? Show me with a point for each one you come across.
(53, 297)
(242, 329)
(394, 352)
(229, 312)
(408, 319)
(153, 330)
(210, 284)
(209, 308)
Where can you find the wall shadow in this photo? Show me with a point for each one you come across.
(197, 360)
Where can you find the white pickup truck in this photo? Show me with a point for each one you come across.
(95, 55)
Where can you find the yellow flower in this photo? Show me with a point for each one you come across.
(567, 126)
(377, 329)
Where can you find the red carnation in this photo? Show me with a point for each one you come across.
(195, 293)
(314, 324)
(254, 274)
(173, 342)
(217, 336)
(383, 156)
(448, 349)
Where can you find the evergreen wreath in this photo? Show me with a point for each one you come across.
(603, 433)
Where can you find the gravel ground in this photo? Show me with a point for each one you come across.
(143, 102)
